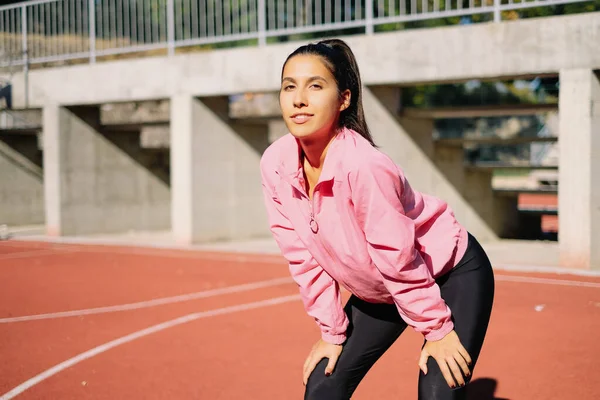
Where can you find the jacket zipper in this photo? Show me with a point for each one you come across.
(315, 230)
(314, 226)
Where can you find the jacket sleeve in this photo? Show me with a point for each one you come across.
(319, 292)
(377, 189)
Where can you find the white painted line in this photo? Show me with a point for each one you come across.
(35, 253)
(546, 269)
(154, 302)
(14, 244)
(196, 254)
(545, 281)
(136, 335)
(243, 288)
(174, 252)
(262, 246)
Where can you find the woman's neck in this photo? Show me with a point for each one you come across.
(314, 151)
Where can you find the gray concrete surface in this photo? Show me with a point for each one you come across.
(215, 172)
(95, 182)
(21, 119)
(579, 172)
(155, 137)
(21, 181)
(135, 112)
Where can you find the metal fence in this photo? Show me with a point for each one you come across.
(44, 31)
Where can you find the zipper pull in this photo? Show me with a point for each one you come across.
(314, 227)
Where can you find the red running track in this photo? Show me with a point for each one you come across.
(232, 327)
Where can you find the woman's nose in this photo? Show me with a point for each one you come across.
(300, 98)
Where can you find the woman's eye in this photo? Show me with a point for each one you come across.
(316, 86)
(288, 87)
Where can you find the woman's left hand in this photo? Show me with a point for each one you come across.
(450, 356)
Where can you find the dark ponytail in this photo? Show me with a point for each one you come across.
(340, 60)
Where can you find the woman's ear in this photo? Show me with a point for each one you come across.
(346, 96)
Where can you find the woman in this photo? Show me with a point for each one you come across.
(343, 214)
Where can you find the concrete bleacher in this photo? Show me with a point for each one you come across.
(147, 123)
(95, 179)
(461, 142)
(21, 171)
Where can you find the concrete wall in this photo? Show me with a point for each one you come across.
(96, 183)
(579, 172)
(490, 50)
(215, 172)
(21, 181)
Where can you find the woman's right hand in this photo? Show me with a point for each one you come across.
(321, 350)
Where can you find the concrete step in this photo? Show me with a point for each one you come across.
(135, 113)
(513, 192)
(20, 121)
(461, 142)
(505, 110)
(486, 165)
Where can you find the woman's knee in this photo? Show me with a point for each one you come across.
(321, 387)
(433, 386)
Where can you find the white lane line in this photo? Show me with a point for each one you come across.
(34, 253)
(243, 288)
(545, 269)
(185, 253)
(17, 245)
(136, 335)
(198, 255)
(546, 281)
(175, 252)
(154, 302)
(20, 244)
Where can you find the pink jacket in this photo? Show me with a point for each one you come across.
(365, 229)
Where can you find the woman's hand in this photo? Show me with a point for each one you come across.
(320, 350)
(450, 356)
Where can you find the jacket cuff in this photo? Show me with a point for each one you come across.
(440, 333)
(333, 339)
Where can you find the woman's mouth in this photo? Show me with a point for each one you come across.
(301, 118)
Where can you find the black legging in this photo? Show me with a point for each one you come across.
(468, 289)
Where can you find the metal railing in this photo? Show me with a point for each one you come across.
(43, 31)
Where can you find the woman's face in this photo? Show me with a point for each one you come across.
(309, 98)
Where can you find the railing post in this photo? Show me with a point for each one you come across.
(170, 27)
(369, 16)
(25, 52)
(497, 15)
(92, 29)
(262, 23)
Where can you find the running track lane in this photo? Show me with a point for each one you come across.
(545, 354)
